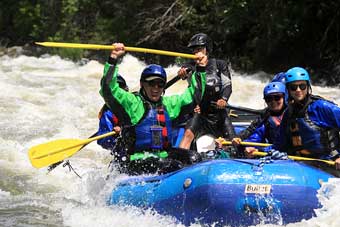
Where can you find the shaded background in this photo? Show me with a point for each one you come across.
(254, 35)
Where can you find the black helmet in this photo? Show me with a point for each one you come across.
(200, 39)
(122, 83)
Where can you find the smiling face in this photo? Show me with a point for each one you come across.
(153, 89)
(298, 90)
(275, 102)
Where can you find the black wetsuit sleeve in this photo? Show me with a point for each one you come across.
(223, 68)
(230, 130)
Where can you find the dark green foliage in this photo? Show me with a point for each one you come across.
(254, 34)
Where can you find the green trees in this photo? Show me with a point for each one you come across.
(255, 34)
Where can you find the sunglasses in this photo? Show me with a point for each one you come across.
(270, 98)
(158, 83)
(294, 87)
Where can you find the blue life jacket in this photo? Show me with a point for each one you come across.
(266, 132)
(107, 121)
(154, 117)
(138, 138)
(272, 126)
(307, 138)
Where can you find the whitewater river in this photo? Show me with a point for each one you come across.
(48, 98)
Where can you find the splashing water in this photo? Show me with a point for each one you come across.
(48, 98)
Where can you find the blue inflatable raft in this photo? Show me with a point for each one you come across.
(236, 192)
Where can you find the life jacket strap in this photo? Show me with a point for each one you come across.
(161, 119)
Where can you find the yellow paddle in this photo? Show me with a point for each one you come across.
(247, 144)
(46, 154)
(297, 158)
(258, 153)
(110, 47)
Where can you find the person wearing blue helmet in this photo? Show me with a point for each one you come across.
(109, 122)
(146, 117)
(279, 77)
(310, 126)
(267, 127)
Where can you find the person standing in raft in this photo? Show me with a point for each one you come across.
(210, 116)
(108, 122)
(147, 116)
(310, 125)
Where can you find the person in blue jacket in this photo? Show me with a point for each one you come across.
(310, 125)
(108, 122)
(267, 128)
(265, 113)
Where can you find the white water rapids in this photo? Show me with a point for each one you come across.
(48, 98)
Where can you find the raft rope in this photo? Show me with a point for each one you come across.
(70, 168)
(67, 163)
(259, 165)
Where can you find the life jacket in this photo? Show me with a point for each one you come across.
(107, 121)
(139, 137)
(307, 138)
(213, 87)
(105, 108)
(272, 126)
(143, 130)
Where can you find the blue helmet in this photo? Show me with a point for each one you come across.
(274, 87)
(280, 77)
(296, 73)
(152, 72)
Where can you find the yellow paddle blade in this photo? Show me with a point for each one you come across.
(46, 154)
(110, 47)
(52, 152)
(297, 158)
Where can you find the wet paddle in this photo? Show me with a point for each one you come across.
(46, 154)
(172, 81)
(54, 165)
(245, 109)
(297, 158)
(175, 79)
(53, 153)
(110, 47)
(247, 144)
(258, 153)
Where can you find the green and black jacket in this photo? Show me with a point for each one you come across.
(130, 108)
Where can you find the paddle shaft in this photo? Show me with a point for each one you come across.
(172, 81)
(81, 142)
(297, 158)
(248, 144)
(245, 109)
(258, 153)
(175, 79)
(111, 47)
